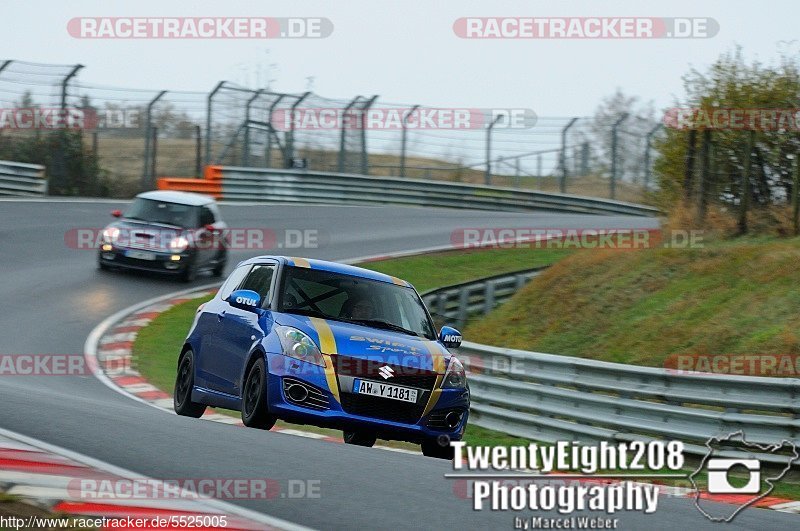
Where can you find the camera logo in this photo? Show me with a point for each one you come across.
(719, 482)
(732, 468)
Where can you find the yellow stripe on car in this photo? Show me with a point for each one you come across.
(301, 262)
(437, 361)
(327, 345)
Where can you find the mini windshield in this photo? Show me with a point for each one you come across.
(162, 212)
(358, 300)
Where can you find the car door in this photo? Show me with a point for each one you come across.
(208, 373)
(241, 329)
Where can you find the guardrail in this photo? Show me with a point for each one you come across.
(549, 398)
(20, 179)
(458, 302)
(286, 186)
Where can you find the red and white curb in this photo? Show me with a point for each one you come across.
(45, 475)
(110, 356)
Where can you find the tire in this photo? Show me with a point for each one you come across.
(254, 398)
(220, 267)
(190, 273)
(432, 448)
(359, 438)
(182, 395)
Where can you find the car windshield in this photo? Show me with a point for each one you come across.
(353, 299)
(162, 212)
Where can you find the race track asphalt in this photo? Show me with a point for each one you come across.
(53, 296)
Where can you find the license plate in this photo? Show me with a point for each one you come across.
(140, 255)
(384, 390)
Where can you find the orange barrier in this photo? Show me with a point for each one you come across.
(185, 184)
(212, 173)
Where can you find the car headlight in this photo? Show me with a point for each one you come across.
(178, 244)
(298, 345)
(110, 234)
(455, 377)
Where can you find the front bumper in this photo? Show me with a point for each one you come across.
(164, 262)
(389, 419)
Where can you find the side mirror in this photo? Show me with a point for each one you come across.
(116, 213)
(450, 337)
(245, 299)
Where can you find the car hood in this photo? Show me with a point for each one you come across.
(145, 235)
(350, 340)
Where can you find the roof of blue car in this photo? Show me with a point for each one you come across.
(334, 267)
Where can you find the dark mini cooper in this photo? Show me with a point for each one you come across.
(179, 233)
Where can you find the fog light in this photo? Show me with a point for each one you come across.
(175, 258)
(107, 247)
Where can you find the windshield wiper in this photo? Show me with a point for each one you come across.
(377, 323)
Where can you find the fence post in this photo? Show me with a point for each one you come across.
(705, 166)
(404, 132)
(585, 159)
(289, 153)
(363, 132)
(271, 130)
(614, 128)
(796, 196)
(246, 151)
(744, 193)
(463, 306)
(487, 177)
(198, 150)
(59, 174)
(154, 155)
(209, 122)
(342, 139)
(647, 147)
(688, 178)
(146, 181)
(488, 296)
(539, 171)
(562, 185)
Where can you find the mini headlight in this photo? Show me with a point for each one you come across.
(298, 345)
(110, 234)
(455, 377)
(178, 244)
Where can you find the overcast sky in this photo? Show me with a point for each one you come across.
(406, 51)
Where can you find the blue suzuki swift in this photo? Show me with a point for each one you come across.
(337, 346)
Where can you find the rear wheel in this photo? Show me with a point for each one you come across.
(190, 273)
(360, 438)
(254, 400)
(184, 382)
(434, 448)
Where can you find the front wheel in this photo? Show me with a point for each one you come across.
(434, 448)
(254, 402)
(359, 438)
(184, 382)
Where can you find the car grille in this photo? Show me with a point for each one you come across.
(385, 408)
(382, 408)
(315, 399)
(437, 419)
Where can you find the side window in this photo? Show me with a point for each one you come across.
(233, 281)
(260, 281)
(206, 216)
